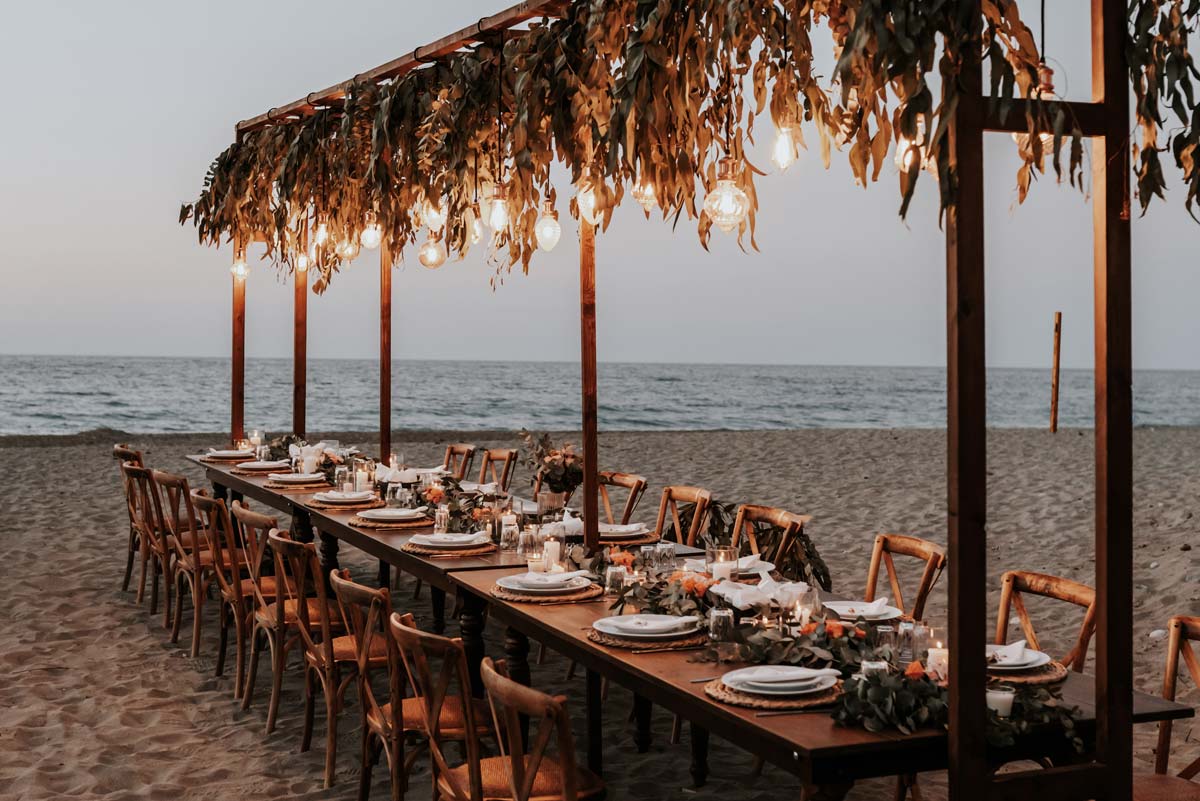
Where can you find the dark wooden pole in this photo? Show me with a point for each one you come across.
(966, 425)
(1054, 370)
(237, 383)
(1114, 406)
(385, 352)
(587, 358)
(299, 352)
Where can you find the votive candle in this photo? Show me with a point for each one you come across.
(1001, 700)
(722, 570)
(537, 564)
(939, 661)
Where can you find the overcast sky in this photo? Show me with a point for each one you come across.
(115, 110)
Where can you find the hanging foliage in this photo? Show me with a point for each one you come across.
(657, 94)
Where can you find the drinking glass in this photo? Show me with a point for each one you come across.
(808, 605)
(262, 453)
(721, 633)
(256, 437)
(342, 479)
(510, 535)
(441, 519)
(395, 496)
(648, 558)
(871, 666)
(614, 579)
(904, 643)
(664, 552)
(333, 444)
(530, 542)
(886, 641)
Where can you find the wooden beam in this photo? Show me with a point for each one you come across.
(587, 359)
(1114, 407)
(1054, 372)
(1089, 116)
(385, 353)
(299, 351)
(510, 17)
(966, 423)
(237, 382)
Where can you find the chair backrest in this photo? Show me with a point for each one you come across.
(223, 543)
(253, 530)
(503, 458)
(300, 560)
(1016, 583)
(435, 666)
(126, 453)
(750, 515)
(179, 515)
(886, 545)
(147, 506)
(1182, 630)
(367, 611)
(459, 457)
(636, 486)
(510, 701)
(671, 498)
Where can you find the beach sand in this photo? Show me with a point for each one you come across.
(95, 702)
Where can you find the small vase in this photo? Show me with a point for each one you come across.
(550, 502)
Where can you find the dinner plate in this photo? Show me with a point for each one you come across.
(514, 584)
(297, 478)
(230, 454)
(624, 535)
(1033, 659)
(336, 496)
(392, 514)
(276, 465)
(439, 542)
(820, 685)
(850, 610)
(605, 626)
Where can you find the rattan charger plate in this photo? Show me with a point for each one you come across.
(266, 471)
(1052, 673)
(683, 643)
(390, 525)
(591, 593)
(282, 487)
(442, 553)
(347, 507)
(225, 460)
(717, 690)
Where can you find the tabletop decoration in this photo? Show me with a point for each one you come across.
(558, 469)
(680, 594)
(824, 643)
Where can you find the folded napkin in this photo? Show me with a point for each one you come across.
(270, 465)
(361, 495)
(474, 486)
(231, 450)
(440, 470)
(782, 674)
(617, 528)
(750, 564)
(549, 579)
(864, 608)
(745, 596)
(455, 539)
(649, 624)
(1008, 654)
(572, 524)
(294, 476)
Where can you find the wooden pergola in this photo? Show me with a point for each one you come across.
(1105, 119)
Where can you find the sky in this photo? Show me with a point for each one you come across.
(117, 109)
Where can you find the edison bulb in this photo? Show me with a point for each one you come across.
(474, 225)
(908, 151)
(784, 153)
(302, 262)
(727, 205)
(347, 249)
(547, 229)
(433, 215)
(432, 253)
(586, 200)
(371, 236)
(645, 195)
(238, 268)
(498, 210)
(322, 234)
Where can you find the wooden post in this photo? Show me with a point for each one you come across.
(1114, 406)
(587, 358)
(1054, 373)
(237, 382)
(385, 353)
(299, 351)
(966, 423)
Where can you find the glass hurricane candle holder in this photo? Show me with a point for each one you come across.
(721, 563)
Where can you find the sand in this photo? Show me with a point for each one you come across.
(95, 702)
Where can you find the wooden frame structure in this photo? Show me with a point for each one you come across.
(1105, 121)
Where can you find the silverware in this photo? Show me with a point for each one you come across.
(660, 650)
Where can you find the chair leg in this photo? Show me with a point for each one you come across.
(180, 577)
(417, 590)
(155, 572)
(141, 590)
(907, 786)
(757, 768)
(365, 764)
(248, 690)
(239, 631)
(541, 657)
(397, 767)
(676, 730)
(129, 551)
(571, 669)
(331, 722)
(198, 588)
(169, 573)
(277, 657)
(222, 638)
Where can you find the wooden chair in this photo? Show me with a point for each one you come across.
(505, 459)
(123, 454)
(1016, 583)
(444, 709)
(459, 457)
(671, 498)
(523, 772)
(1160, 786)
(155, 550)
(634, 484)
(886, 545)
(749, 515)
(316, 621)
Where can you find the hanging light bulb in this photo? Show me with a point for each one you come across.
(498, 210)
(347, 249)
(322, 233)
(372, 233)
(302, 262)
(587, 202)
(433, 252)
(433, 215)
(909, 151)
(547, 228)
(727, 205)
(474, 225)
(784, 153)
(238, 268)
(1044, 91)
(645, 195)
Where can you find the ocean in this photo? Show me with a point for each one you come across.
(66, 395)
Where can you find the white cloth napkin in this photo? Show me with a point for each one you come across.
(1007, 654)
(440, 470)
(784, 674)
(273, 464)
(744, 596)
(231, 450)
(649, 624)
(548, 579)
(474, 486)
(618, 528)
(572, 524)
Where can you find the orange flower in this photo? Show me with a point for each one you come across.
(435, 494)
(860, 634)
(621, 558)
(835, 628)
(915, 670)
(808, 628)
(479, 513)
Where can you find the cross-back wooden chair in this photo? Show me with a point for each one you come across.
(123, 454)
(671, 498)
(528, 771)
(635, 487)
(152, 534)
(497, 466)
(1161, 786)
(1017, 583)
(459, 457)
(887, 545)
(749, 515)
(316, 621)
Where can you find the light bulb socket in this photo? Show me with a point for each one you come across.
(727, 169)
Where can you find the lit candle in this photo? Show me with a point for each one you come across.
(803, 614)
(537, 564)
(393, 462)
(939, 661)
(722, 570)
(551, 551)
(508, 520)
(1001, 700)
(362, 481)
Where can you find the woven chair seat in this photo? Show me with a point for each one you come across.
(345, 649)
(1158, 787)
(451, 725)
(495, 774)
(206, 561)
(290, 614)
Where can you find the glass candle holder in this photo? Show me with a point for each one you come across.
(721, 563)
(1000, 698)
(614, 579)
(721, 630)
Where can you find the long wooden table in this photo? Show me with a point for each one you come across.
(808, 744)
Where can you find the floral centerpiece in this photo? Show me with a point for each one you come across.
(467, 512)
(557, 469)
(329, 462)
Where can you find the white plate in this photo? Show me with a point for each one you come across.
(822, 684)
(648, 624)
(624, 535)
(278, 465)
(1033, 659)
(297, 478)
(230, 454)
(514, 584)
(605, 626)
(336, 496)
(849, 610)
(392, 514)
(437, 541)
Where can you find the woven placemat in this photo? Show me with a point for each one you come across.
(442, 553)
(691, 641)
(347, 507)
(266, 471)
(591, 593)
(1052, 673)
(225, 460)
(277, 485)
(717, 690)
(384, 525)
(623, 542)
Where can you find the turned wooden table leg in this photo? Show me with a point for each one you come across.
(516, 655)
(220, 492)
(829, 792)
(437, 600)
(470, 625)
(302, 530)
(641, 715)
(595, 723)
(699, 738)
(385, 574)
